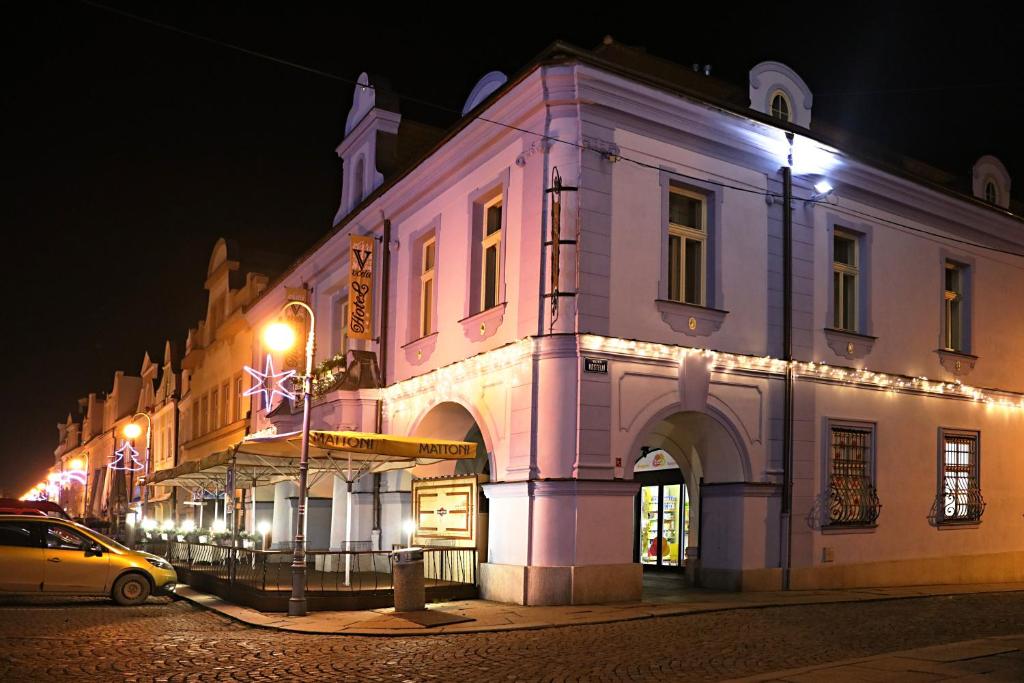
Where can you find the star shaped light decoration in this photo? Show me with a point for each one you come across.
(126, 458)
(269, 383)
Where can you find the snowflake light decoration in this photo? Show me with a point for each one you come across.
(269, 383)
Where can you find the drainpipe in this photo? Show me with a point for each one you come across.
(787, 354)
(385, 301)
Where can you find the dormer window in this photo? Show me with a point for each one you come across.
(991, 192)
(780, 108)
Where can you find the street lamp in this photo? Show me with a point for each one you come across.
(280, 336)
(132, 431)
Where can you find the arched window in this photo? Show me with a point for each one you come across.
(991, 192)
(358, 183)
(780, 108)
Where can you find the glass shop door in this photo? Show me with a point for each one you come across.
(662, 520)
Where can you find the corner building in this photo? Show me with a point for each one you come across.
(636, 331)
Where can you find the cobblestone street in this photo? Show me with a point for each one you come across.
(90, 639)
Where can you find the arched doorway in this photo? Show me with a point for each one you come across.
(690, 465)
(450, 420)
(445, 509)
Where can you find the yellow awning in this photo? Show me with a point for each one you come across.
(380, 451)
(260, 460)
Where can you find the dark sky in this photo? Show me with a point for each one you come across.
(128, 149)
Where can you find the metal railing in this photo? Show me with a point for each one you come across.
(327, 571)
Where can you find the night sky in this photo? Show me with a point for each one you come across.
(129, 149)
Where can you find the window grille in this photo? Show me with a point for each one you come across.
(852, 496)
(961, 487)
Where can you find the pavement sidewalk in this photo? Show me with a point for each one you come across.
(999, 658)
(476, 616)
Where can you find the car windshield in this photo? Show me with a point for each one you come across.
(105, 539)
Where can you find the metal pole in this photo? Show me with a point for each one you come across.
(149, 442)
(348, 524)
(297, 601)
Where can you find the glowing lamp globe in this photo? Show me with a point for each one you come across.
(263, 528)
(188, 526)
(279, 336)
(76, 464)
(132, 430)
(168, 524)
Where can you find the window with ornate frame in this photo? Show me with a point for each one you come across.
(959, 498)
(687, 246)
(845, 281)
(428, 256)
(953, 307)
(490, 254)
(852, 496)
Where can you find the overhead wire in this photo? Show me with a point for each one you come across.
(710, 180)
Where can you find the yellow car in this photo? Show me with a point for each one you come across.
(44, 555)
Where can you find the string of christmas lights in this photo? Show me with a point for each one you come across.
(444, 382)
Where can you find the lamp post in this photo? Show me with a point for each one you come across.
(132, 431)
(280, 336)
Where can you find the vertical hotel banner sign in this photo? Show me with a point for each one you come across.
(360, 288)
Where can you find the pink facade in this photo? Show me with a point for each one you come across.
(670, 278)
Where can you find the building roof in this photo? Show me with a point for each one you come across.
(688, 81)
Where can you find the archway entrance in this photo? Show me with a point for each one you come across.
(662, 513)
(689, 520)
(448, 504)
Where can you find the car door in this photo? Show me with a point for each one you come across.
(21, 556)
(71, 566)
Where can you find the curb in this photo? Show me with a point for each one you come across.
(425, 632)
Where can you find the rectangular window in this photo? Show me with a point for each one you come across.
(845, 275)
(195, 419)
(215, 420)
(491, 250)
(852, 499)
(953, 299)
(960, 494)
(687, 247)
(239, 408)
(225, 404)
(341, 327)
(427, 287)
(204, 414)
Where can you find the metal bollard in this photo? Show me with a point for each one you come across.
(410, 593)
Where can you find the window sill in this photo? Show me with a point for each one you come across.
(483, 325)
(956, 362)
(836, 529)
(949, 524)
(419, 350)
(849, 345)
(690, 319)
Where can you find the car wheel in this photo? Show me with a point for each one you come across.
(130, 589)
